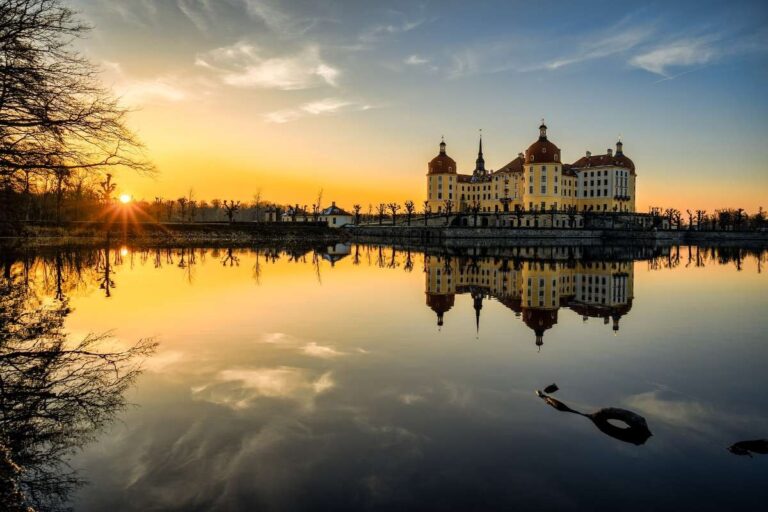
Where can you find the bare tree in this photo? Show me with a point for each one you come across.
(393, 208)
(56, 394)
(55, 115)
(356, 208)
(257, 204)
(191, 204)
(448, 209)
(231, 208)
(410, 207)
(381, 210)
(182, 207)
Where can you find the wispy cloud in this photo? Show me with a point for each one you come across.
(487, 57)
(282, 22)
(239, 388)
(313, 349)
(244, 65)
(674, 55)
(324, 106)
(380, 31)
(135, 92)
(199, 12)
(618, 41)
(415, 60)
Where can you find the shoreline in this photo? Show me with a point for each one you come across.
(303, 234)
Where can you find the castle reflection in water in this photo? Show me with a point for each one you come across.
(533, 282)
(533, 290)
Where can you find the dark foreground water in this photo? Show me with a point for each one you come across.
(368, 378)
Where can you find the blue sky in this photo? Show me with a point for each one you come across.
(339, 94)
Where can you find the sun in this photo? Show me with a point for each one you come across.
(125, 198)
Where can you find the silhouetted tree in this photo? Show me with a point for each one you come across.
(448, 209)
(410, 207)
(231, 208)
(56, 394)
(55, 116)
(381, 210)
(356, 208)
(182, 208)
(393, 208)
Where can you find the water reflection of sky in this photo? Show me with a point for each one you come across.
(305, 385)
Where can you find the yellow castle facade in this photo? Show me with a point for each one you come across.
(535, 181)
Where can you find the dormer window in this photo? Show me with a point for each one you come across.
(544, 149)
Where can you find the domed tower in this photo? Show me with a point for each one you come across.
(441, 180)
(440, 304)
(542, 173)
(539, 320)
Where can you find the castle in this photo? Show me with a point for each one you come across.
(536, 181)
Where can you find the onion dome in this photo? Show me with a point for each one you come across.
(540, 320)
(442, 163)
(542, 151)
(440, 303)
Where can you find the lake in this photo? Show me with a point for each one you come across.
(362, 377)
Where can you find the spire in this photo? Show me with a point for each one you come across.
(542, 130)
(442, 145)
(480, 151)
(480, 162)
(619, 147)
(478, 304)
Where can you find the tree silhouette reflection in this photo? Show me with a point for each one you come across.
(55, 396)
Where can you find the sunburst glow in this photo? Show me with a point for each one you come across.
(125, 198)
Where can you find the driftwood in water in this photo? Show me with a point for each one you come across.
(636, 431)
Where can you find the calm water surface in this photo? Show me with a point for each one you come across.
(368, 378)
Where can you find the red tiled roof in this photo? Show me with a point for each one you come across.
(605, 160)
(442, 164)
(542, 151)
(515, 165)
(539, 319)
(440, 303)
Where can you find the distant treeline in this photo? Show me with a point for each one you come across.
(725, 219)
